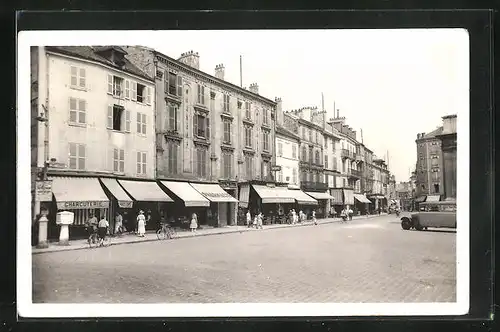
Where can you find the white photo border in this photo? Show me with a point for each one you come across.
(27, 309)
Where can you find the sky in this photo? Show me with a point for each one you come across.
(392, 84)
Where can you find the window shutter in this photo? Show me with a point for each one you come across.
(110, 84)
(127, 120)
(73, 81)
(109, 123)
(178, 120)
(195, 125)
(134, 90)
(139, 163)
(82, 78)
(165, 81)
(148, 95)
(127, 89)
(207, 135)
(179, 86)
(144, 124)
(139, 116)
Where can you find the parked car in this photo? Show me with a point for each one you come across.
(442, 214)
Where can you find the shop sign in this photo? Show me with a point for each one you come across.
(83, 205)
(276, 168)
(43, 191)
(125, 204)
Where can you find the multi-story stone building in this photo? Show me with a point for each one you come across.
(429, 165)
(448, 138)
(287, 148)
(92, 124)
(210, 133)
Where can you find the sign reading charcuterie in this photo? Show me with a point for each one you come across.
(83, 205)
(216, 195)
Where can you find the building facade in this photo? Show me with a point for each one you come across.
(93, 119)
(209, 130)
(448, 138)
(429, 164)
(287, 149)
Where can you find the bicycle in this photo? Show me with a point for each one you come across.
(165, 231)
(94, 241)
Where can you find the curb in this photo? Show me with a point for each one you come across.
(309, 223)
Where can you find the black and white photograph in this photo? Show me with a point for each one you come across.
(243, 173)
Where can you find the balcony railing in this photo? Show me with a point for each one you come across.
(359, 157)
(344, 153)
(308, 185)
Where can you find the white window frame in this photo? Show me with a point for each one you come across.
(141, 124)
(118, 160)
(79, 78)
(78, 111)
(141, 163)
(78, 156)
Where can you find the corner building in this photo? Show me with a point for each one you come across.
(210, 134)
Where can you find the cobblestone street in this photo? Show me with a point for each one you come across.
(366, 260)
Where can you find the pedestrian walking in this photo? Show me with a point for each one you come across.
(343, 215)
(379, 209)
(103, 226)
(255, 220)
(294, 217)
(260, 218)
(350, 214)
(141, 224)
(290, 217)
(302, 216)
(118, 223)
(249, 218)
(194, 222)
(315, 221)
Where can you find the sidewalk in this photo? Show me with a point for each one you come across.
(151, 235)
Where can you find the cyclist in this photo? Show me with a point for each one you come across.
(91, 225)
(103, 228)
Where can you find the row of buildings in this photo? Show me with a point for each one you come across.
(118, 129)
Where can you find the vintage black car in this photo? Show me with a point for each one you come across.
(442, 214)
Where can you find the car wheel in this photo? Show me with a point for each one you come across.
(405, 224)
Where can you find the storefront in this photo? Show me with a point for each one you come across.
(186, 202)
(271, 201)
(362, 204)
(323, 198)
(379, 203)
(120, 202)
(303, 202)
(337, 203)
(83, 196)
(223, 206)
(348, 198)
(149, 197)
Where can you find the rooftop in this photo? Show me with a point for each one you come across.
(91, 53)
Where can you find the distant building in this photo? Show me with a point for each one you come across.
(287, 149)
(429, 179)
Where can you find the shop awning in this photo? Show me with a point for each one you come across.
(186, 193)
(124, 200)
(78, 193)
(319, 195)
(420, 199)
(301, 197)
(433, 198)
(271, 195)
(348, 196)
(214, 193)
(145, 191)
(362, 198)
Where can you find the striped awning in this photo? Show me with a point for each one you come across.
(302, 198)
(362, 198)
(78, 193)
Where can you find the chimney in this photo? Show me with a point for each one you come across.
(338, 113)
(254, 87)
(279, 111)
(219, 71)
(191, 59)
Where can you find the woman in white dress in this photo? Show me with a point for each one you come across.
(141, 224)
(194, 222)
